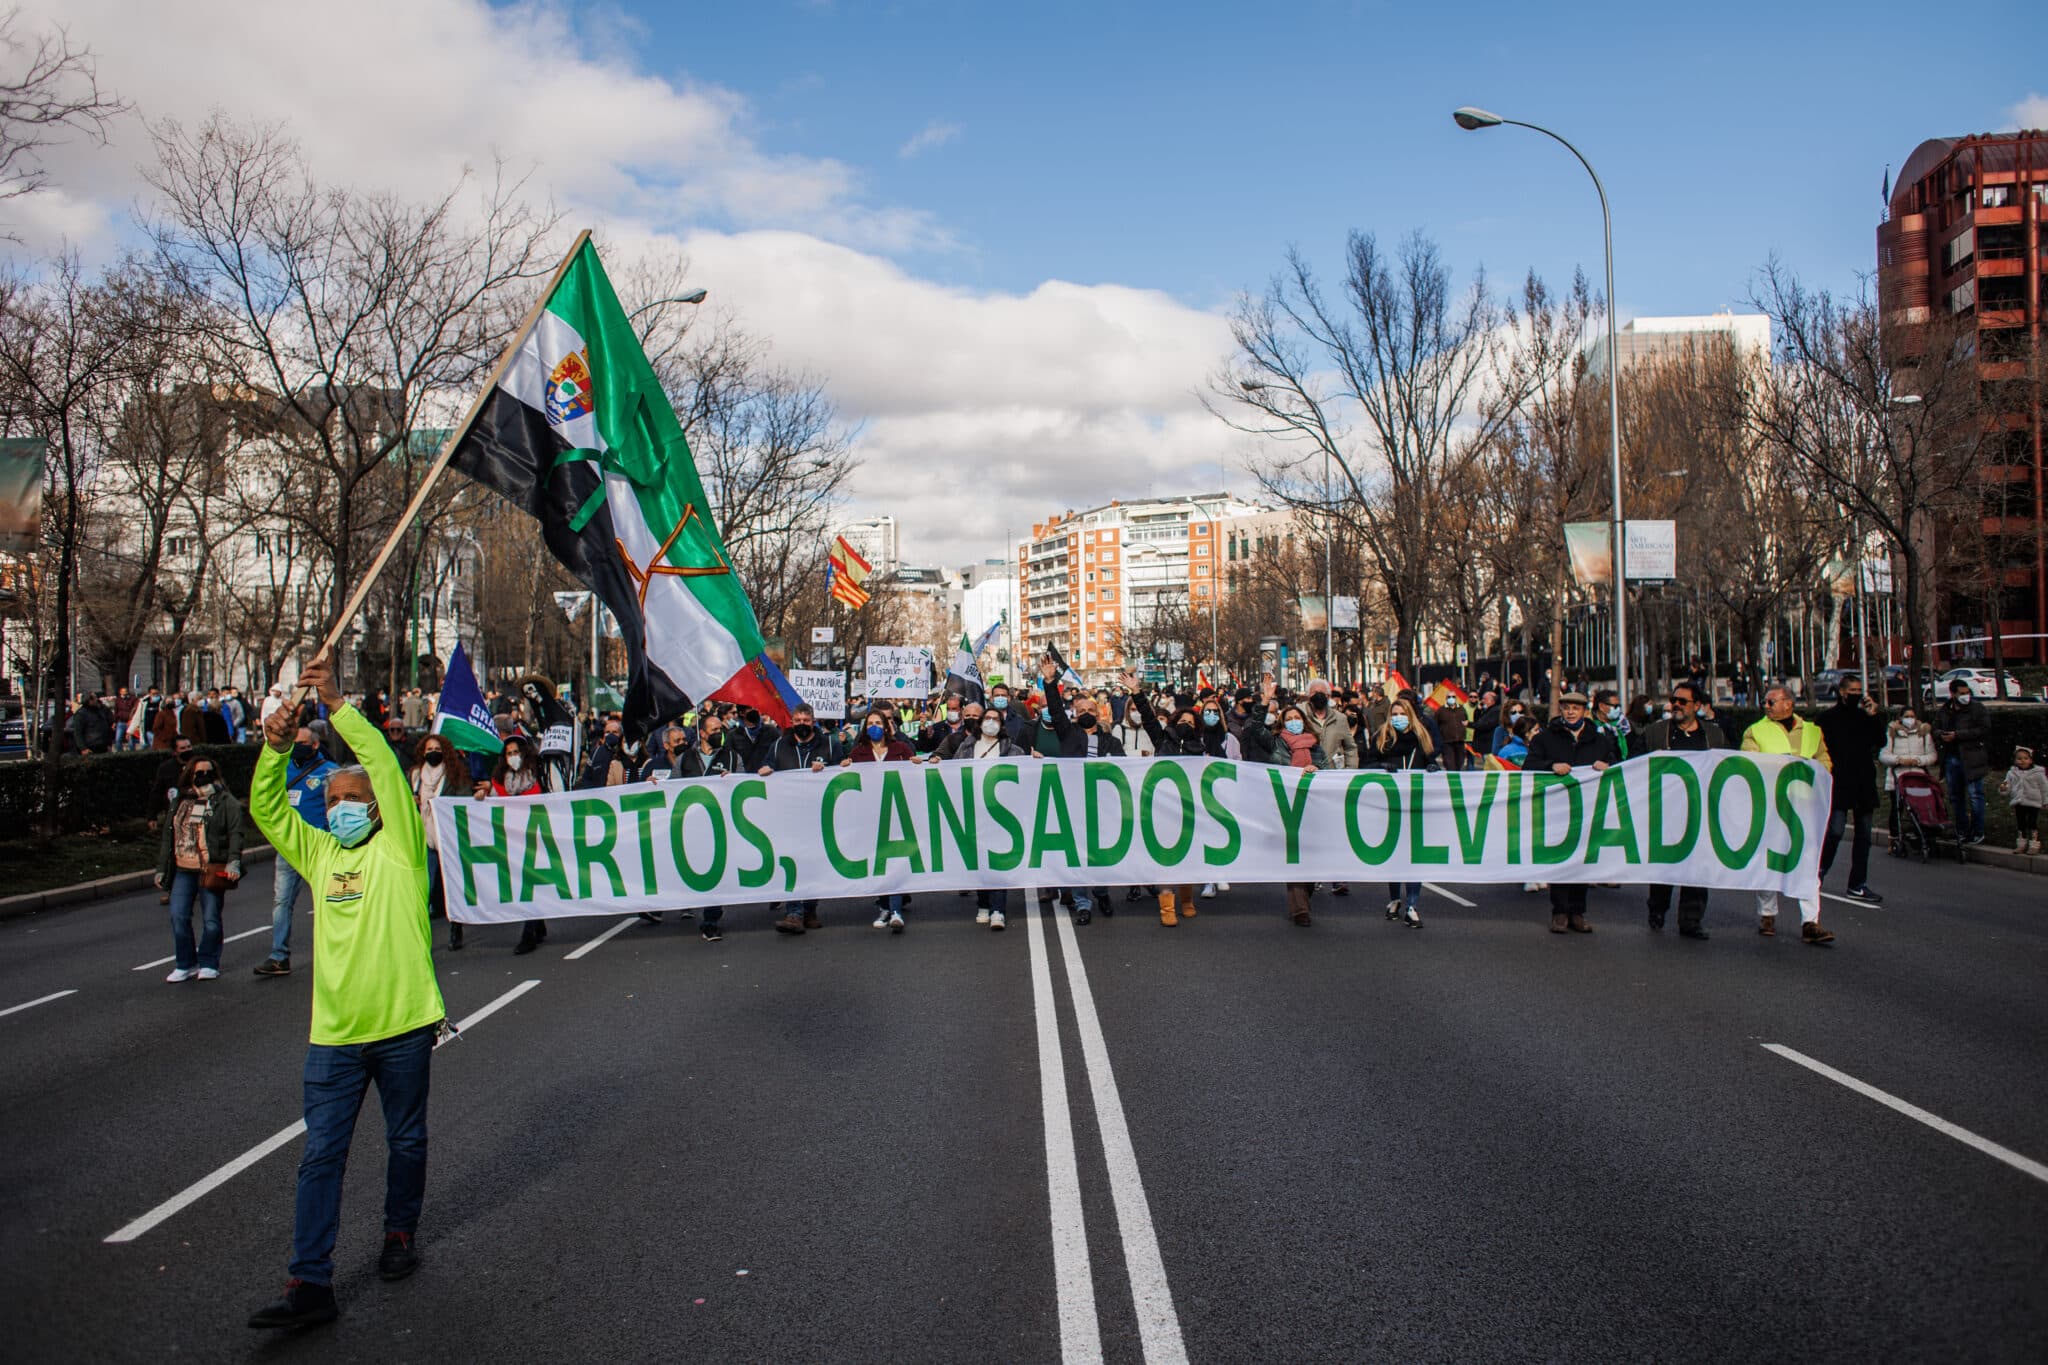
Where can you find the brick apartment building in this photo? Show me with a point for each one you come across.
(1965, 238)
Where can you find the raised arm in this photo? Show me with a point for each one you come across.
(297, 842)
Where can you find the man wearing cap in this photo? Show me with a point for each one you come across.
(1570, 741)
(1781, 731)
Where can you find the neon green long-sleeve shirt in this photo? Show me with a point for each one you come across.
(373, 964)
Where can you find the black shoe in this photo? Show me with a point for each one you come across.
(525, 945)
(1866, 895)
(398, 1258)
(711, 934)
(650, 916)
(1132, 895)
(303, 1305)
(1695, 932)
(274, 966)
(1082, 916)
(454, 937)
(1656, 924)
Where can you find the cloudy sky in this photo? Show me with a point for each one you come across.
(1006, 235)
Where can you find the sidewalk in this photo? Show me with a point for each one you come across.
(106, 888)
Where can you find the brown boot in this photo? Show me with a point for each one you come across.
(1167, 917)
(1811, 932)
(1301, 918)
(1767, 925)
(1577, 924)
(1557, 922)
(811, 920)
(791, 923)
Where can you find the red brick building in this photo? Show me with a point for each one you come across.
(1967, 238)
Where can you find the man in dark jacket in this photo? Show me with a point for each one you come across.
(92, 726)
(752, 741)
(1691, 729)
(1570, 741)
(1960, 725)
(802, 748)
(1855, 731)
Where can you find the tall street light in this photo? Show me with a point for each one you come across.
(1472, 119)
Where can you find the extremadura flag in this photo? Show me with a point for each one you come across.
(579, 433)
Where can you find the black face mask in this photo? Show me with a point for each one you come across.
(1184, 730)
(1319, 702)
(433, 758)
(1086, 722)
(304, 754)
(802, 731)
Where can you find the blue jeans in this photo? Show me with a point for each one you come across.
(1965, 800)
(286, 884)
(185, 886)
(336, 1080)
(1408, 893)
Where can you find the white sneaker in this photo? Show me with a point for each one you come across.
(881, 919)
(208, 974)
(895, 922)
(181, 974)
(982, 916)
(996, 920)
(1535, 886)
(1223, 886)
(1209, 891)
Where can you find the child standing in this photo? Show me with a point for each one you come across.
(2026, 787)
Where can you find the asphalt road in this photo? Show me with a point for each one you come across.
(1478, 1141)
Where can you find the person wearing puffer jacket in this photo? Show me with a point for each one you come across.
(2025, 785)
(1909, 747)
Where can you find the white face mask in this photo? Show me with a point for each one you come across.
(990, 726)
(1909, 725)
(515, 761)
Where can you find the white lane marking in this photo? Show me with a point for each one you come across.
(1073, 1280)
(167, 961)
(1451, 896)
(192, 1193)
(43, 1000)
(1845, 900)
(488, 1010)
(600, 940)
(2026, 1165)
(1158, 1324)
(205, 1186)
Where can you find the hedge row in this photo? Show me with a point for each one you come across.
(104, 788)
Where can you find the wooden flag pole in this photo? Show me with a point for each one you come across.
(419, 498)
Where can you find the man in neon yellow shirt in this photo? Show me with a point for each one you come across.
(376, 1006)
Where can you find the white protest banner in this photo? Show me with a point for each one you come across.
(899, 671)
(1730, 820)
(823, 691)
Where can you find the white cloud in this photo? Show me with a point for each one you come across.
(981, 410)
(2031, 112)
(935, 134)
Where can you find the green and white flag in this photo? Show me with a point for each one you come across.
(579, 433)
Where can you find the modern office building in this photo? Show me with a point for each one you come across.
(875, 540)
(1642, 340)
(1963, 238)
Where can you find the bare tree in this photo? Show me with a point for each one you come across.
(1384, 386)
(48, 87)
(1833, 412)
(350, 321)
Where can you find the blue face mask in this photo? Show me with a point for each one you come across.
(875, 732)
(1002, 703)
(350, 822)
(1294, 727)
(1398, 722)
(1212, 718)
(1614, 713)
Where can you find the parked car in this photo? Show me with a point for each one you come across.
(1887, 683)
(13, 729)
(1827, 683)
(1982, 681)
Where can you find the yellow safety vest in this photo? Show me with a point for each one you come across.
(1772, 738)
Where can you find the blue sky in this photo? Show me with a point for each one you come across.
(1183, 147)
(1004, 237)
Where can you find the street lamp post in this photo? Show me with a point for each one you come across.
(1472, 119)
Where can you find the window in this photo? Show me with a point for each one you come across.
(1994, 196)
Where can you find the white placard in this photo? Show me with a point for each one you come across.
(899, 671)
(822, 635)
(823, 692)
(1344, 613)
(1652, 550)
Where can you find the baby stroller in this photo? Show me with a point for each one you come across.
(1920, 815)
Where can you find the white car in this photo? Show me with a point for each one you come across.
(1982, 681)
